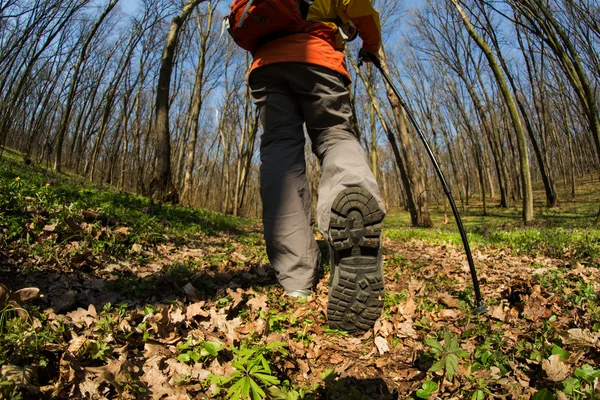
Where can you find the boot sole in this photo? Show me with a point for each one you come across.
(356, 290)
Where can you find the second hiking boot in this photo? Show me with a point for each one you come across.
(356, 291)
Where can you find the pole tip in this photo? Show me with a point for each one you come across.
(480, 309)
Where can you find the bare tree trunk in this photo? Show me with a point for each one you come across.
(61, 22)
(66, 118)
(514, 114)
(196, 104)
(545, 169)
(552, 32)
(411, 205)
(373, 152)
(420, 214)
(162, 187)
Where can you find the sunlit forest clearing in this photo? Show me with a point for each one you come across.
(126, 298)
(132, 260)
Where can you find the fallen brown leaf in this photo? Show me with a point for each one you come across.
(556, 370)
(196, 310)
(449, 301)
(259, 302)
(382, 345)
(23, 295)
(498, 313)
(336, 358)
(582, 338)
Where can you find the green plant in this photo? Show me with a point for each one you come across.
(9, 390)
(253, 372)
(588, 373)
(334, 332)
(581, 386)
(196, 352)
(543, 394)
(20, 341)
(427, 389)
(447, 354)
(482, 391)
(276, 322)
(99, 350)
(292, 393)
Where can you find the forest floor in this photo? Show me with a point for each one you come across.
(105, 295)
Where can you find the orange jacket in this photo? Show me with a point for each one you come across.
(313, 48)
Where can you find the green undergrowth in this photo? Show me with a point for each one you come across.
(569, 231)
(208, 321)
(41, 210)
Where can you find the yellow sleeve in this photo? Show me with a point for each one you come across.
(366, 19)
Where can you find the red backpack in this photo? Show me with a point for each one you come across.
(253, 23)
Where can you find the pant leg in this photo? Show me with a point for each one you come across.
(325, 102)
(287, 209)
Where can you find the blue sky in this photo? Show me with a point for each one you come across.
(129, 6)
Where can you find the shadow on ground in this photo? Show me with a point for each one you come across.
(351, 388)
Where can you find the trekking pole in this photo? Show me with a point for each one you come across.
(480, 308)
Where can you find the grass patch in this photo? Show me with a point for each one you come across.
(42, 210)
(567, 231)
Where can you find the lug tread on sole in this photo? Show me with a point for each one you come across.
(357, 292)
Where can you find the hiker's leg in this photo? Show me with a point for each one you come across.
(287, 209)
(325, 101)
(350, 210)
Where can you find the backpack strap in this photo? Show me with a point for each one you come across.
(245, 13)
(304, 6)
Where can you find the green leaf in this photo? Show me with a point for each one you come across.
(587, 373)
(437, 366)
(194, 356)
(570, 385)
(462, 353)
(213, 348)
(275, 345)
(267, 379)
(451, 365)
(235, 391)
(184, 358)
(265, 364)
(427, 389)
(451, 341)
(430, 386)
(328, 375)
(543, 395)
(246, 386)
(478, 395)
(563, 353)
(257, 392)
(485, 356)
(536, 355)
(434, 345)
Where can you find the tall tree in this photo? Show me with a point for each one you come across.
(66, 117)
(162, 187)
(543, 22)
(527, 187)
(416, 177)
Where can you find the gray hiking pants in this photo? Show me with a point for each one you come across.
(289, 95)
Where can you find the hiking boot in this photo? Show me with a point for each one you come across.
(356, 291)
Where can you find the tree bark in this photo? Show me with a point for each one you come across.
(196, 105)
(420, 209)
(161, 186)
(404, 177)
(550, 30)
(514, 114)
(66, 118)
